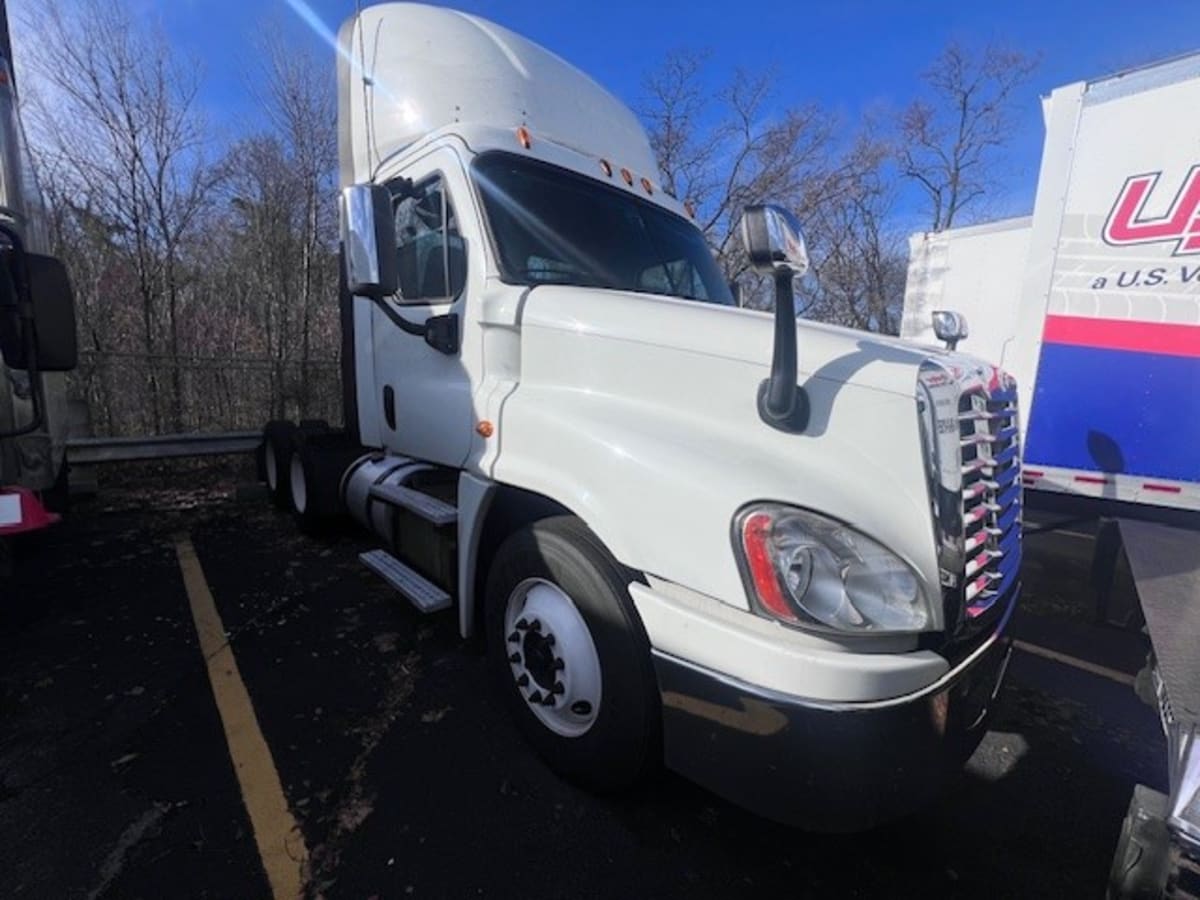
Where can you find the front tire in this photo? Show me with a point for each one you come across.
(566, 647)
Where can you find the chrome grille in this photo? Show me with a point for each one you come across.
(990, 455)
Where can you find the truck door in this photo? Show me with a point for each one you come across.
(423, 394)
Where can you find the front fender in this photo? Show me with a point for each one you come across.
(661, 484)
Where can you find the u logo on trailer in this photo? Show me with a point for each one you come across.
(1125, 225)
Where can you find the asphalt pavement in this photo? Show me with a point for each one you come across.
(400, 770)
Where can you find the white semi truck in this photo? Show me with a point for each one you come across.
(37, 336)
(777, 555)
(1093, 302)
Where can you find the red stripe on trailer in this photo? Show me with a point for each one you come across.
(1091, 479)
(1165, 488)
(1121, 334)
(1032, 475)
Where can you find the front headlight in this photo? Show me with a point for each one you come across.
(807, 570)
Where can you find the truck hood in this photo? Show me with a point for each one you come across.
(826, 352)
(639, 414)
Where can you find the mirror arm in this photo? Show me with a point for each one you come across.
(774, 245)
(439, 332)
(414, 328)
(782, 403)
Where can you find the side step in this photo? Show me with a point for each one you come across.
(429, 508)
(422, 593)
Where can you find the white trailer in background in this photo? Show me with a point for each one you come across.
(1093, 303)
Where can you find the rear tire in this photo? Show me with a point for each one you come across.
(299, 480)
(560, 626)
(317, 463)
(278, 440)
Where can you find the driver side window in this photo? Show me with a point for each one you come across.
(430, 252)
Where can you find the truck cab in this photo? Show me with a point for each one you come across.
(776, 555)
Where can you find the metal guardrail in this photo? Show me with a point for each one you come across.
(160, 446)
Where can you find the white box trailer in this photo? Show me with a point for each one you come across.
(1093, 303)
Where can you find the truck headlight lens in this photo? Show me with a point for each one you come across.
(808, 570)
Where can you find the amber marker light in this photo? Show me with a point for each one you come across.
(606, 167)
(485, 429)
(628, 176)
(523, 137)
(647, 186)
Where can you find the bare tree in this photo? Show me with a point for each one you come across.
(719, 151)
(122, 134)
(199, 284)
(949, 141)
(859, 259)
(300, 103)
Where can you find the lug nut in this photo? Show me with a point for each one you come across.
(535, 697)
(536, 625)
(523, 680)
(558, 688)
(548, 700)
(515, 658)
(515, 637)
(559, 665)
(522, 625)
(550, 639)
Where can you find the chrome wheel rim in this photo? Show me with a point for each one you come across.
(552, 657)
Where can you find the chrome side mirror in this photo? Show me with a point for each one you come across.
(950, 327)
(773, 240)
(775, 246)
(368, 232)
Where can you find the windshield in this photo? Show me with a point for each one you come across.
(552, 226)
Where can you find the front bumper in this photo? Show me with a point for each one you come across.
(826, 766)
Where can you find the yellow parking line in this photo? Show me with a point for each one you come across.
(280, 842)
(1076, 662)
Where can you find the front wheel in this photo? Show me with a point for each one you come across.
(571, 656)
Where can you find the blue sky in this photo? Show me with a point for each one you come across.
(848, 55)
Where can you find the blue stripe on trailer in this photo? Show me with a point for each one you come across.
(1116, 411)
